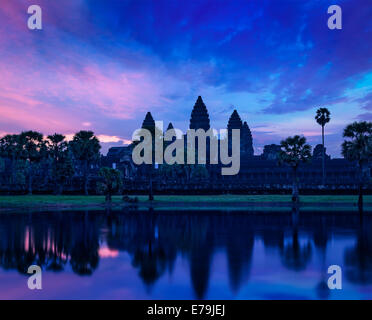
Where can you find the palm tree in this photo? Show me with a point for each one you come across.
(359, 148)
(294, 150)
(62, 167)
(9, 145)
(10, 149)
(323, 117)
(33, 150)
(85, 148)
(112, 182)
(56, 145)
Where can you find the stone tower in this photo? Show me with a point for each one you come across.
(170, 126)
(149, 123)
(235, 122)
(199, 116)
(246, 141)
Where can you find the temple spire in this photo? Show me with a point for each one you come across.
(148, 122)
(199, 116)
(234, 122)
(247, 140)
(170, 126)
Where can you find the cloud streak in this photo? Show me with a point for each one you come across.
(101, 65)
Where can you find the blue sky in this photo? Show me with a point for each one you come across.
(102, 64)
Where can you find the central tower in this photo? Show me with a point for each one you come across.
(199, 116)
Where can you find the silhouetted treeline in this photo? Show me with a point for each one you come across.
(29, 160)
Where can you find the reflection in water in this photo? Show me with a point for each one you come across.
(358, 259)
(154, 240)
(50, 241)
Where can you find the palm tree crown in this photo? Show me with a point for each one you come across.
(85, 146)
(323, 116)
(359, 145)
(294, 150)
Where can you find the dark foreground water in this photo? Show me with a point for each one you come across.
(185, 255)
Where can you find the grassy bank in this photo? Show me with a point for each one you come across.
(50, 201)
(257, 198)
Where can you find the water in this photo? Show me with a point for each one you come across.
(185, 255)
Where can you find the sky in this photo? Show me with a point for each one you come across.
(100, 65)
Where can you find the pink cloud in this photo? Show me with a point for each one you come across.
(61, 98)
(51, 83)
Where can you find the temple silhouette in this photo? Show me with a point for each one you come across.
(258, 173)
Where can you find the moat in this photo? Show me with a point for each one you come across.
(207, 254)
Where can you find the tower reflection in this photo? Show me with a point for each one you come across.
(60, 242)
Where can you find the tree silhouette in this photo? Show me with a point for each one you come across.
(62, 167)
(358, 258)
(33, 150)
(85, 148)
(358, 148)
(10, 149)
(112, 182)
(323, 117)
(294, 150)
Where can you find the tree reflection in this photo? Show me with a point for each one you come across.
(155, 240)
(358, 259)
(239, 251)
(294, 255)
(49, 241)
